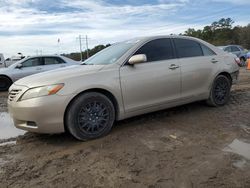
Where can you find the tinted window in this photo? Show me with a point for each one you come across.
(32, 62)
(227, 49)
(52, 61)
(207, 51)
(235, 49)
(188, 48)
(156, 50)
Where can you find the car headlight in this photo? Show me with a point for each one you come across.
(41, 91)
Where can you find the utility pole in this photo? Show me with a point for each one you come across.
(80, 42)
(87, 46)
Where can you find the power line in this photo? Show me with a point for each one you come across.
(85, 39)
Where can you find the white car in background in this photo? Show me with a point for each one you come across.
(32, 65)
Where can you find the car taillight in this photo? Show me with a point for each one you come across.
(237, 60)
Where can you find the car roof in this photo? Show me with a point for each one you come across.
(164, 36)
(44, 56)
(232, 45)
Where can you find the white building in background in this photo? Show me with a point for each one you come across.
(9, 61)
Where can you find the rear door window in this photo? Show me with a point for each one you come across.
(157, 50)
(235, 49)
(188, 48)
(52, 61)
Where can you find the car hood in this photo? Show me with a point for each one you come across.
(58, 75)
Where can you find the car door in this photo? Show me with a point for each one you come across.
(199, 64)
(51, 63)
(154, 82)
(28, 67)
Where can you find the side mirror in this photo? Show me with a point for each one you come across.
(19, 66)
(136, 59)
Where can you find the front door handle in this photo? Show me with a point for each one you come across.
(173, 67)
(39, 68)
(214, 60)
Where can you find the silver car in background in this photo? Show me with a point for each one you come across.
(32, 65)
(238, 50)
(124, 80)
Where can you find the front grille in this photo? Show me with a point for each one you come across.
(13, 93)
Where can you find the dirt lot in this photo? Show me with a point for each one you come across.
(179, 147)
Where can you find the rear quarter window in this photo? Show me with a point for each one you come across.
(207, 51)
(187, 48)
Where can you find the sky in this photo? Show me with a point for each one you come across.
(34, 26)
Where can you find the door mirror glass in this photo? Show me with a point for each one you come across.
(19, 66)
(136, 59)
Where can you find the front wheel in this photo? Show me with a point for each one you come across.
(89, 116)
(220, 92)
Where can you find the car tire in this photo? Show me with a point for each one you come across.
(90, 115)
(220, 91)
(5, 83)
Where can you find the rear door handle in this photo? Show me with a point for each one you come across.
(173, 67)
(214, 60)
(39, 68)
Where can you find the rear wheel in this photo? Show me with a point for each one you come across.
(5, 83)
(220, 92)
(91, 115)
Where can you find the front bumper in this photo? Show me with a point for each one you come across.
(41, 115)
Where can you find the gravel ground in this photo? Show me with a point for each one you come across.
(179, 147)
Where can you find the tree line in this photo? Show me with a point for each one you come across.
(219, 33)
(222, 32)
(76, 55)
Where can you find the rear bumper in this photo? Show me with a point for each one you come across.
(235, 77)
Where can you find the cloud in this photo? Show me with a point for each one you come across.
(238, 2)
(47, 20)
(30, 25)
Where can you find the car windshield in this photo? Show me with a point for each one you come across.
(111, 54)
